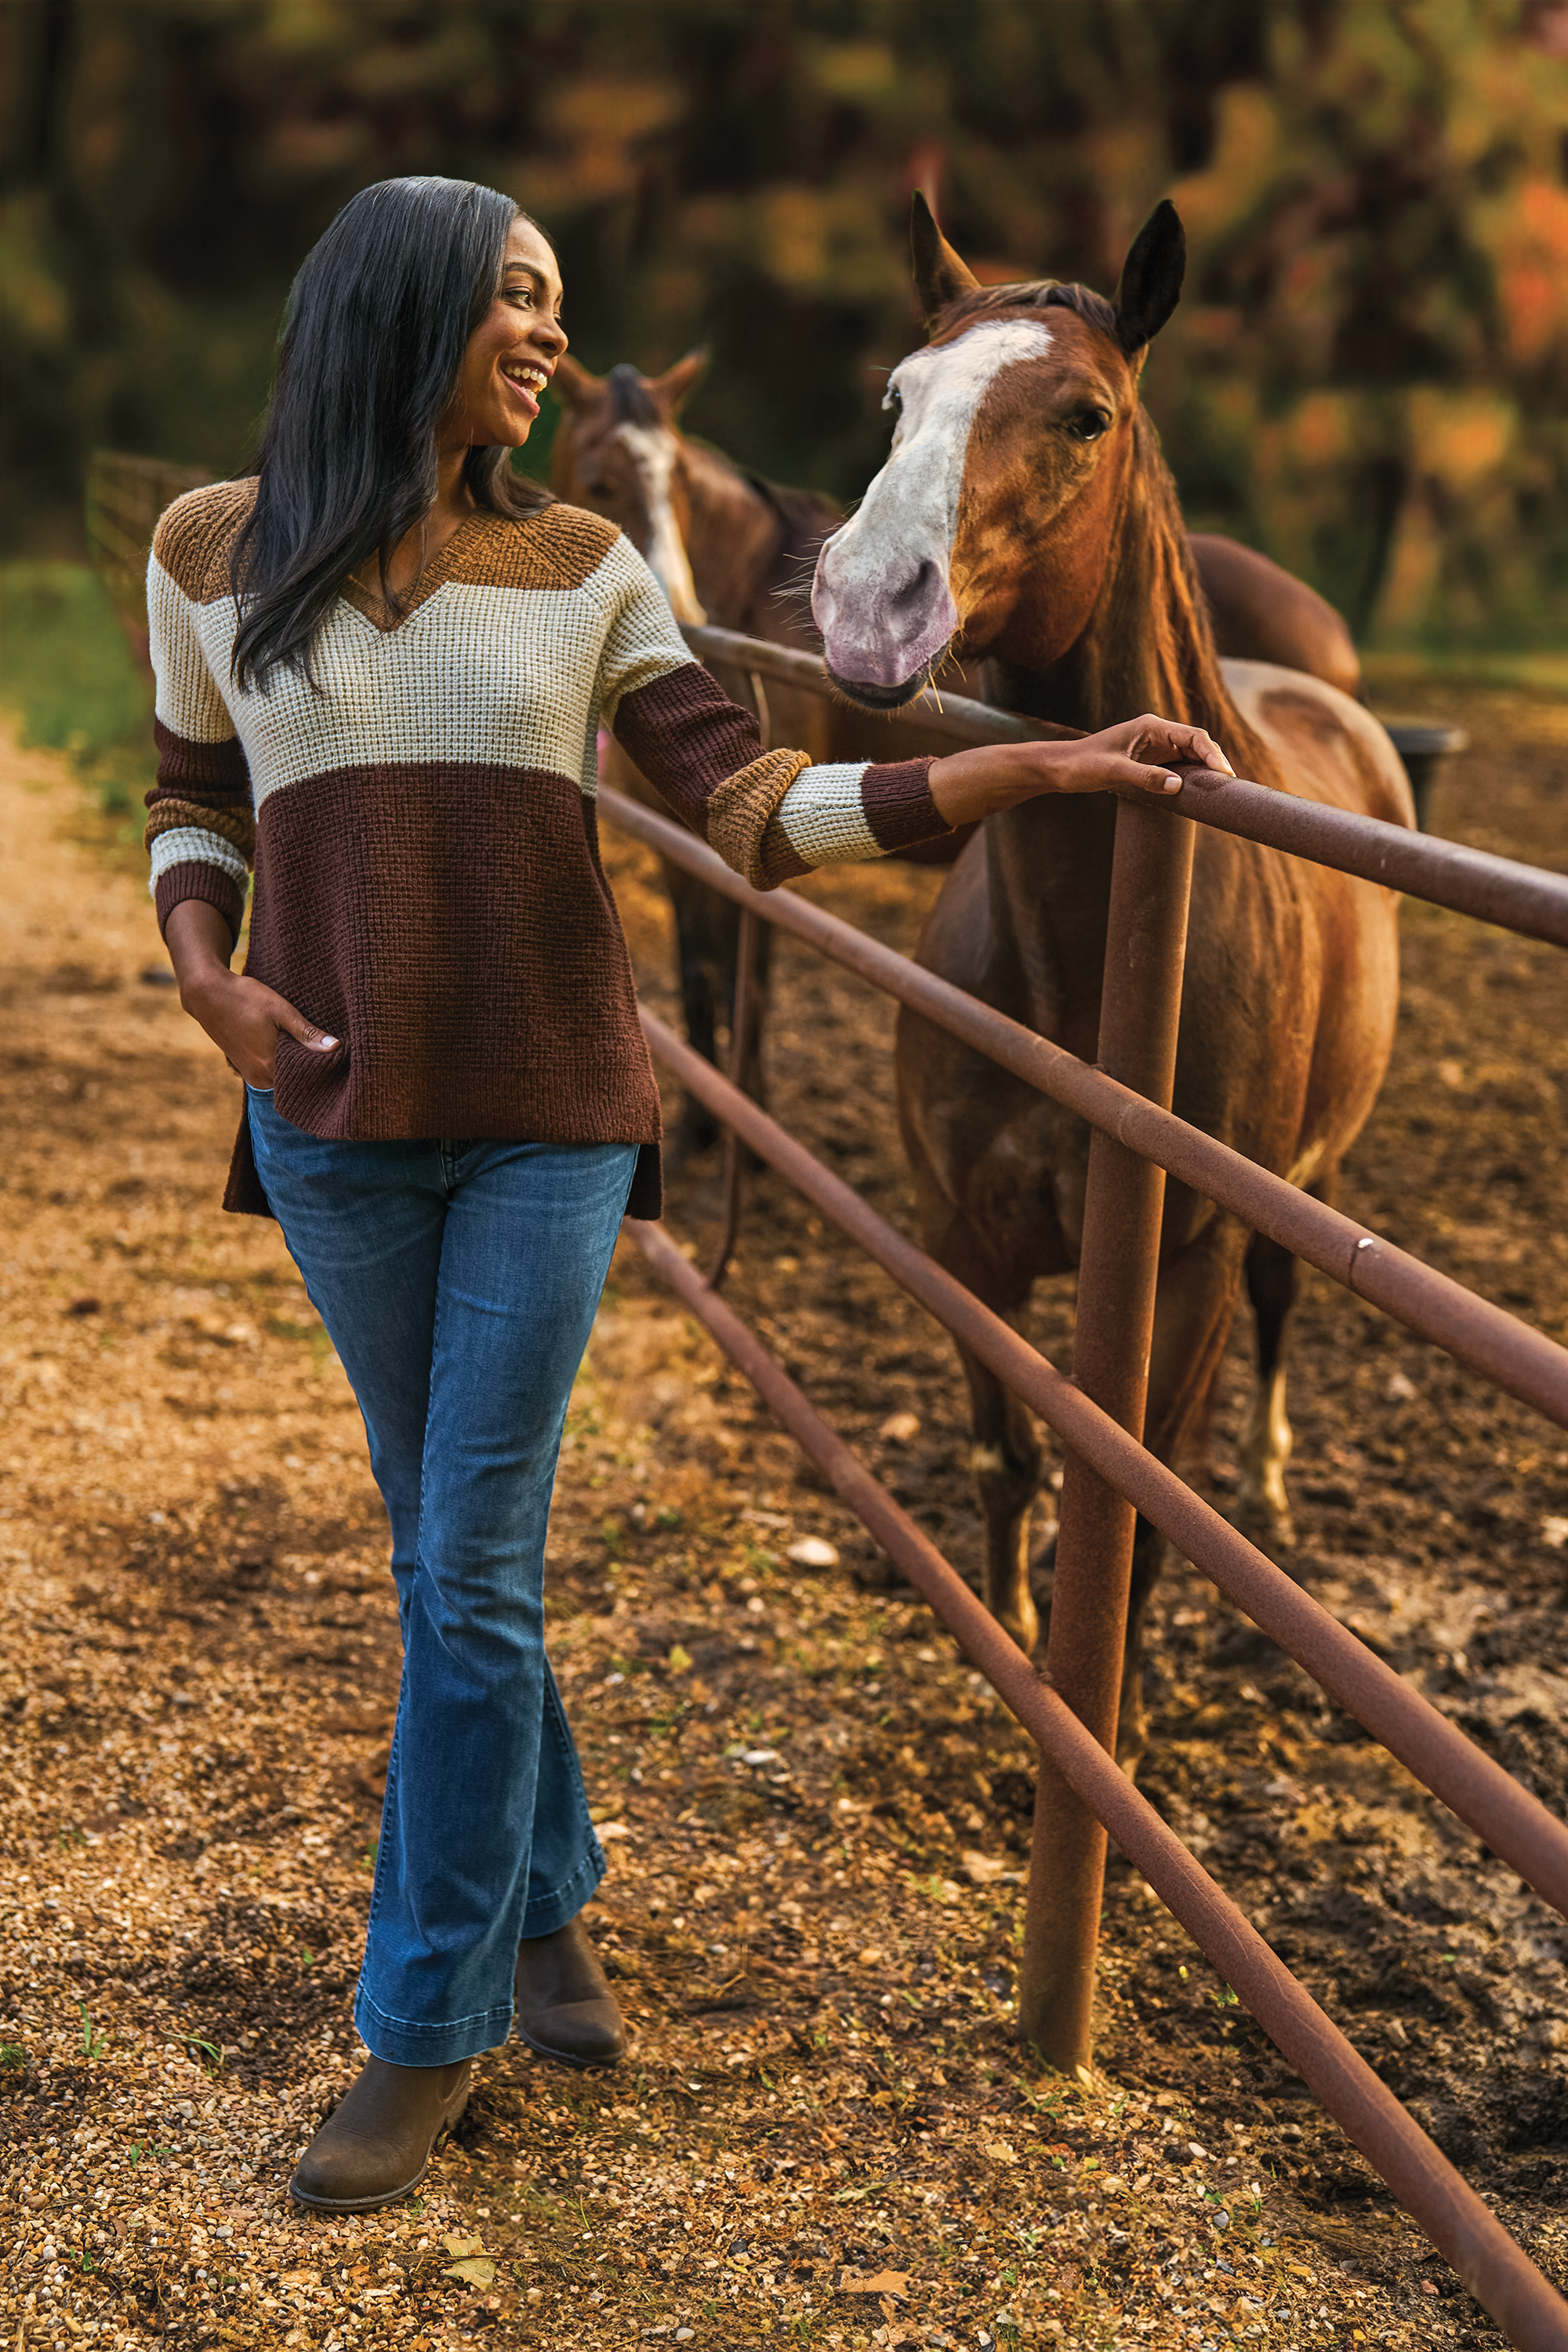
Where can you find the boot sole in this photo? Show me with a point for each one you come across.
(579, 2064)
(386, 2195)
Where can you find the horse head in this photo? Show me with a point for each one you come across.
(618, 451)
(987, 531)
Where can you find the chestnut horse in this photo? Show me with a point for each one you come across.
(730, 548)
(1026, 516)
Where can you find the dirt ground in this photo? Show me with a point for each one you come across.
(817, 1815)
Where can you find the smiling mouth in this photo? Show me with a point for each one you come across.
(532, 380)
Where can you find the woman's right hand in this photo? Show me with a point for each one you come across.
(241, 1016)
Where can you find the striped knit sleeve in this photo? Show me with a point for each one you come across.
(201, 826)
(770, 815)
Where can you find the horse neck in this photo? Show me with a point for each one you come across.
(1147, 646)
(730, 540)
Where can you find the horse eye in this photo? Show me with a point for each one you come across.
(894, 399)
(601, 489)
(1089, 423)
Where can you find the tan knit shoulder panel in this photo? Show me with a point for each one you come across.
(558, 549)
(741, 808)
(195, 535)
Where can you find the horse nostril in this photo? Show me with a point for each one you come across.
(919, 588)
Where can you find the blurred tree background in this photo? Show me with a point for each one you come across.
(1366, 377)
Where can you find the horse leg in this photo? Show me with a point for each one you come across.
(698, 911)
(1006, 1458)
(1262, 1503)
(1192, 1315)
(752, 1079)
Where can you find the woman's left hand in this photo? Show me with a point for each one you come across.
(1140, 754)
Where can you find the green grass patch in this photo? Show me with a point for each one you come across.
(67, 673)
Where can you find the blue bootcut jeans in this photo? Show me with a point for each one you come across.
(458, 1283)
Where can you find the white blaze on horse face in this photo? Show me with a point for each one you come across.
(652, 450)
(882, 598)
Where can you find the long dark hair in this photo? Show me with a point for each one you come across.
(373, 340)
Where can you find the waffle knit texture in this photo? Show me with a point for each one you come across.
(429, 886)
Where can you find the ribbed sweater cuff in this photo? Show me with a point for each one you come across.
(200, 880)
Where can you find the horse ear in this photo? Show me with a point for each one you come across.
(940, 276)
(676, 385)
(1152, 278)
(573, 386)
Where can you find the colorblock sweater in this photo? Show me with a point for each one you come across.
(429, 886)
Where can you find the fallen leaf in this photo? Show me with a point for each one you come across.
(895, 2282)
(460, 2247)
(680, 1660)
(981, 1871)
(900, 1427)
(609, 1830)
(999, 2152)
(474, 2270)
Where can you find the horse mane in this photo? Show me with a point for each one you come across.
(1150, 644)
(1044, 294)
(631, 402)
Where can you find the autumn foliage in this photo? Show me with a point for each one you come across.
(1367, 375)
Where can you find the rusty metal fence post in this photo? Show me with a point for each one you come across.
(1145, 951)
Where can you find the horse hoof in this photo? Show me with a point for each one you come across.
(1023, 1627)
(1263, 1523)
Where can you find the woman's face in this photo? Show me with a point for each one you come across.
(511, 353)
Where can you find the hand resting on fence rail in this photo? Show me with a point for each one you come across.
(1523, 1361)
(1491, 2265)
(1520, 897)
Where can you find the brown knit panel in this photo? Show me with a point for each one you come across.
(237, 825)
(454, 928)
(200, 880)
(192, 540)
(688, 737)
(197, 768)
(895, 799)
(777, 860)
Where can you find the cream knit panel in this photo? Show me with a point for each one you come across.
(189, 702)
(643, 643)
(498, 677)
(822, 818)
(189, 844)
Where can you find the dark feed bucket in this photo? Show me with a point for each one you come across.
(1424, 748)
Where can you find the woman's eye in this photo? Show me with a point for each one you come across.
(1089, 423)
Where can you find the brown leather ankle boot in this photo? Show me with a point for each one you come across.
(373, 2148)
(566, 2010)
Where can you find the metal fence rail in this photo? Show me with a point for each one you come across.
(1469, 881)
(1524, 1362)
(1515, 1824)
(1490, 2263)
(1109, 1474)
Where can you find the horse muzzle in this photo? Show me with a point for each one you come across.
(882, 634)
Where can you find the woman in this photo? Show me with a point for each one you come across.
(382, 661)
